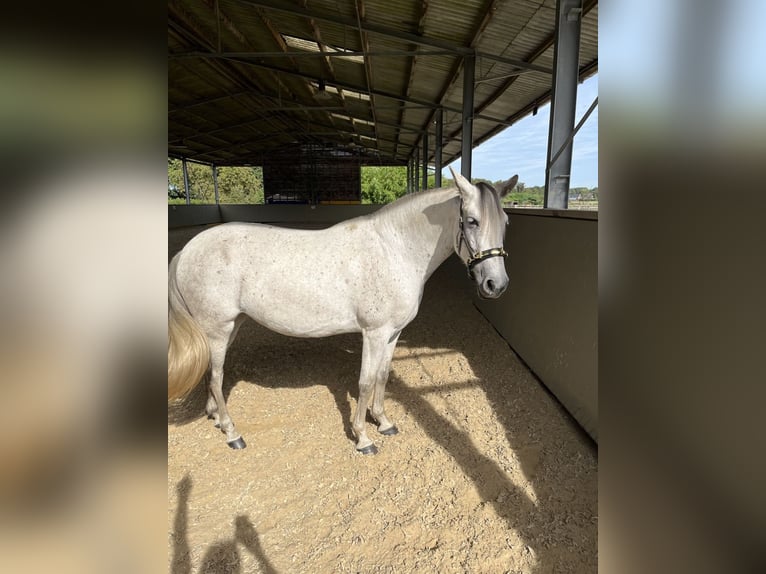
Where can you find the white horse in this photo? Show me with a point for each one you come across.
(362, 275)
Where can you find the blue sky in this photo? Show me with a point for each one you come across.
(522, 148)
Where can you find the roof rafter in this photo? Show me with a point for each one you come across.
(365, 40)
(411, 66)
(194, 33)
(389, 32)
(458, 66)
(373, 92)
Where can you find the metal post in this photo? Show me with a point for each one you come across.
(215, 179)
(425, 159)
(409, 175)
(186, 181)
(469, 65)
(417, 169)
(410, 187)
(565, 74)
(438, 149)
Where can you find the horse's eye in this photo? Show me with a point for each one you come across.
(472, 222)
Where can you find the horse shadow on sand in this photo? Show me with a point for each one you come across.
(271, 361)
(492, 361)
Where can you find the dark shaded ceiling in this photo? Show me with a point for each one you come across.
(246, 77)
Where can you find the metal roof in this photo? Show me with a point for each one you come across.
(247, 77)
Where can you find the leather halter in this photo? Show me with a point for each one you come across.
(474, 257)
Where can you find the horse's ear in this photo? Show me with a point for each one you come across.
(464, 186)
(507, 187)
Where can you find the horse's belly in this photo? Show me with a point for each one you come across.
(302, 314)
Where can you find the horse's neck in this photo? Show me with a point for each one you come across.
(423, 230)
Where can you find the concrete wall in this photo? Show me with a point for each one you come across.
(549, 316)
(185, 215)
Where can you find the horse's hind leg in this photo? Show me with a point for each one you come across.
(377, 350)
(216, 407)
(211, 408)
(385, 426)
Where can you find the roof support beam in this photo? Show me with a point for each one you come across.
(565, 63)
(416, 168)
(186, 181)
(193, 32)
(279, 6)
(438, 147)
(296, 54)
(425, 160)
(413, 60)
(454, 74)
(469, 66)
(215, 180)
(409, 175)
(380, 93)
(585, 71)
(365, 41)
(587, 6)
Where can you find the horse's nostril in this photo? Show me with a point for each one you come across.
(490, 285)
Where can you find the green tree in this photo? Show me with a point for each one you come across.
(240, 185)
(382, 185)
(200, 182)
(524, 196)
(235, 184)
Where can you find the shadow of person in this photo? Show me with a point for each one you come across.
(221, 558)
(246, 534)
(181, 562)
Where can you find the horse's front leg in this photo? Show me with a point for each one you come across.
(377, 350)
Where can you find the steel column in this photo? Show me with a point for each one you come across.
(409, 175)
(417, 169)
(425, 159)
(563, 102)
(438, 149)
(469, 66)
(215, 183)
(186, 181)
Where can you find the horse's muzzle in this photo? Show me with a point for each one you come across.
(492, 289)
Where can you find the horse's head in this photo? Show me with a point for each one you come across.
(481, 229)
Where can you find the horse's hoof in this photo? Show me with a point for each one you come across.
(369, 449)
(237, 443)
(389, 431)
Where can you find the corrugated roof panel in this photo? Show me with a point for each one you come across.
(240, 94)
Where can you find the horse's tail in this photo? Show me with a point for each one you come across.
(188, 350)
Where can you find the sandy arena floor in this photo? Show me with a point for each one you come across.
(488, 473)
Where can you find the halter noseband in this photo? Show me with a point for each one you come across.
(474, 258)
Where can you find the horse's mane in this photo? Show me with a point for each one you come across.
(418, 200)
